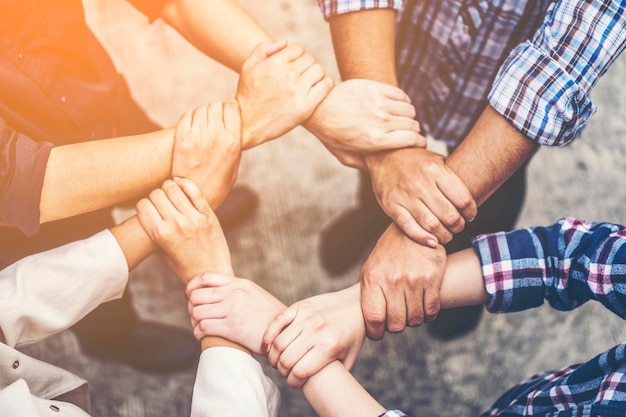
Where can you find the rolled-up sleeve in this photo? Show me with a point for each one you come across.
(22, 168)
(566, 264)
(543, 87)
(332, 8)
(48, 292)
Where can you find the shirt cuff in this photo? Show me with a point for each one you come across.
(512, 269)
(539, 97)
(50, 291)
(20, 199)
(231, 382)
(332, 8)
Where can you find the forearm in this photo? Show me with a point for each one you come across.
(204, 22)
(87, 176)
(364, 43)
(333, 391)
(492, 151)
(134, 241)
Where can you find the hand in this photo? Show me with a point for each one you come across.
(179, 219)
(279, 88)
(207, 148)
(400, 283)
(314, 332)
(233, 308)
(365, 116)
(421, 194)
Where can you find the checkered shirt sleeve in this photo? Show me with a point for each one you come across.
(566, 264)
(543, 87)
(332, 8)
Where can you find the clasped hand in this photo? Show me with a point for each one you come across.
(363, 116)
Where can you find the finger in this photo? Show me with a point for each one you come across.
(282, 320)
(183, 126)
(401, 108)
(290, 53)
(178, 198)
(282, 342)
(303, 63)
(292, 354)
(211, 327)
(205, 295)
(431, 303)
(459, 196)
(374, 309)
(207, 279)
(148, 215)
(396, 304)
(320, 89)
(216, 119)
(449, 219)
(405, 220)
(264, 50)
(401, 138)
(200, 120)
(194, 194)
(163, 204)
(393, 93)
(308, 365)
(312, 75)
(232, 119)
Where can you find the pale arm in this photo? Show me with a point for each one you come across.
(87, 176)
(204, 22)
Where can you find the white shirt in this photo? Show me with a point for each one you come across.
(48, 292)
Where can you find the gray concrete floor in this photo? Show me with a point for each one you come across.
(302, 189)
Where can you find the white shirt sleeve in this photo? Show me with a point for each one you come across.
(232, 383)
(48, 292)
(17, 401)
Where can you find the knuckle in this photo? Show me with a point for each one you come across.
(430, 223)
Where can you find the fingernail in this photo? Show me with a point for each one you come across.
(263, 348)
(431, 243)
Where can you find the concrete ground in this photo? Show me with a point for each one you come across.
(303, 188)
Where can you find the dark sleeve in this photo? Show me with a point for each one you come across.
(22, 168)
(151, 8)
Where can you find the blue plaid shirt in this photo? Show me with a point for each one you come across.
(534, 61)
(566, 264)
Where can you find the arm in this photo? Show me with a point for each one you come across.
(40, 183)
(46, 293)
(566, 264)
(87, 176)
(238, 309)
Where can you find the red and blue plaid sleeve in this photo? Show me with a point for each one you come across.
(543, 88)
(332, 8)
(566, 264)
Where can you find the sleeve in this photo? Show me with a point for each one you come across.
(543, 87)
(232, 383)
(22, 169)
(48, 292)
(151, 8)
(332, 8)
(566, 264)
